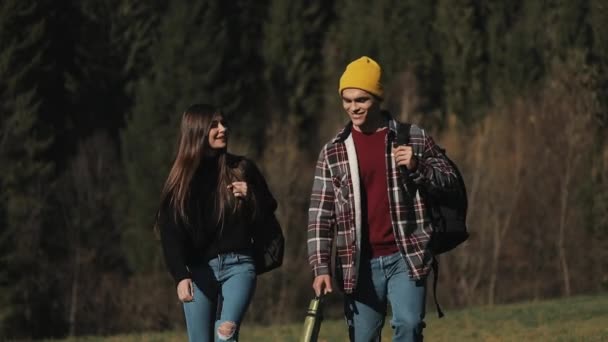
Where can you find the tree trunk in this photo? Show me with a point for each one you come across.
(74, 294)
(502, 227)
(494, 266)
(561, 248)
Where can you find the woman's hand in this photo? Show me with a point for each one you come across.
(185, 290)
(239, 189)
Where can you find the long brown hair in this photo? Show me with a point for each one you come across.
(193, 143)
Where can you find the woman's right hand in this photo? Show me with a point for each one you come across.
(185, 290)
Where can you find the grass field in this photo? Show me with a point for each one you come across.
(574, 319)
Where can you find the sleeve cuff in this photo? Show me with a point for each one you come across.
(420, 174)
(320, 270)
(181, 275)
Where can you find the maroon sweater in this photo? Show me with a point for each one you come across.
(378, 237)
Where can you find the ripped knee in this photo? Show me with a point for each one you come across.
(226, 330)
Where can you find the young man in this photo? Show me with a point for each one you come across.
(367, 198)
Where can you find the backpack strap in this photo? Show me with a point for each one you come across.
(435, 266)
(403, 133)
(403, 138)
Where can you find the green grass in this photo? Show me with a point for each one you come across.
(574, 319)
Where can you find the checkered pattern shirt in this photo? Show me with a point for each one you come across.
(335, 205)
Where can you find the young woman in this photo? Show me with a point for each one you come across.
(211, 208)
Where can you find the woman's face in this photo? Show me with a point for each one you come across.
(218, 134)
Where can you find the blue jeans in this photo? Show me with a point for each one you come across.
(381, 279)
(222, 292)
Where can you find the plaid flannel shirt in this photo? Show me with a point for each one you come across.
(335, 205)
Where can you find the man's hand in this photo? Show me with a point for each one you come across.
(404, 156)
(185, 290)
(322, 284)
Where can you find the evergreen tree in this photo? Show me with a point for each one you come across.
(597, 18)
(355, 31)
(60, 80)
(515, 59)
(293, 50)
(407, 46)
(459, 26)
(598, 189)
(524, 37)
(110, 48)
(88, 97)
(395, 33)
(136, 30)
(25, 174)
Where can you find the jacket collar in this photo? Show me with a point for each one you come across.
(345, 132)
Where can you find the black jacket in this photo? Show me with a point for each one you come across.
(188, 245)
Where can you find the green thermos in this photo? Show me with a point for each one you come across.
(312, 322)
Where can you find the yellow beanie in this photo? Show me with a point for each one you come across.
(363, 73)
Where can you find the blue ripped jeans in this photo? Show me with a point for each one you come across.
(222, 292)
(385, 279)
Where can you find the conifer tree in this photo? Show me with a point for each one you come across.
(25, 173)
(294, 35)
(407, 39)
(515, 60)
(597, 18)
(598, 215)
(460, 43)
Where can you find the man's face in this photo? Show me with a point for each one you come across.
(361, 106)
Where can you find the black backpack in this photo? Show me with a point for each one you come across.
(268, 244)
(447, 209)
